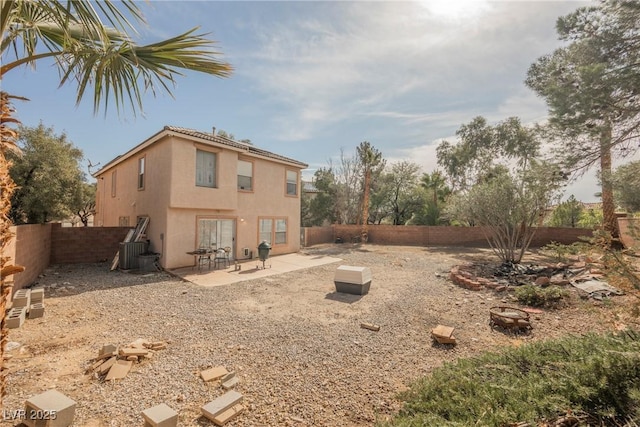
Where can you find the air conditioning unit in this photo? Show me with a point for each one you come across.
(246, 252)
(128, 256)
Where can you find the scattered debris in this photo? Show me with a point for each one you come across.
(597, 289)
(509, 318)
(443, 334)
(214, 373)
(114, 363)
(224, 408)
(370, 326)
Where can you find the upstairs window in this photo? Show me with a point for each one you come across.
(292, 183)
(141, 173)
(245, 175)
(205, 169)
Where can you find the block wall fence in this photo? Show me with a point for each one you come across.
(423, 235)
(36, 246)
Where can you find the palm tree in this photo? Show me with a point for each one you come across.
(370, 158)
(436, 183)
(91, 45)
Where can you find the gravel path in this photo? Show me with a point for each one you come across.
(295, 344)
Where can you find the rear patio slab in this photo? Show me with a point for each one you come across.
(252, 269)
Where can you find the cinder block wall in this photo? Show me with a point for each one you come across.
(418, 235)
(30, 248)
(317, 235)
(74, 245)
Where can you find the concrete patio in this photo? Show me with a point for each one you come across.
(251, 269)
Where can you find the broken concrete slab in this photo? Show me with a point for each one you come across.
(214, 373)
(119, 370)
(219, 405)
(370, 326)
(131, 351)
(106, 366)
(443, 334)
(230, 383)
(228, 415)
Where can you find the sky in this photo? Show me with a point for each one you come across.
(313, 79)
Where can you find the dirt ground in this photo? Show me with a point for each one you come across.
(296, 344)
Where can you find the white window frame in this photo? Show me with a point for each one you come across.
(206, 168)
(291, 178)
(244, 167)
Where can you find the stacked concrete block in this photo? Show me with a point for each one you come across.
(36, 309)
(49, 409)
(224, 408)
(160, 416)
(22, 298)
(16, 317)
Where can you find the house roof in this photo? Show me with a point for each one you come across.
(309, 187)
(198, 135)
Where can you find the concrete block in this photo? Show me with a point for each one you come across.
(217, 406)
(160, 416)
(49, 409)
(230, 383)
(16, 317)
(22, 298)
(228, 415)
(214, 373)
(37, 295)
(36, 310)
(108, 349)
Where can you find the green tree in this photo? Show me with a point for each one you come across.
(322, 207)
(591, 218)
(481, 147)
(503, 187)
(48, 176)
(591, 88)
(405, 197)
(507, 207)
(91, 46)
(436, 184)
(626, 183)
(567, 213)
(434, 195)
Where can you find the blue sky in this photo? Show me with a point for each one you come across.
(312, 78)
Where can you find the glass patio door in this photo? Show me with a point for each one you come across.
(216, 234)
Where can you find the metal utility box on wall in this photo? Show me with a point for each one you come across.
(129, 252)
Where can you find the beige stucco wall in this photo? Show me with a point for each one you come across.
(174, 203)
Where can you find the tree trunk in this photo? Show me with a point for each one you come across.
(364, 234)
(7, 187)
(610, 221)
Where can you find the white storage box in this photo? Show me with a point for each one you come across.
(352, 280)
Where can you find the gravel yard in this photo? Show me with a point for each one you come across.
(296, 345)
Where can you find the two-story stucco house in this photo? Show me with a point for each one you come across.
(201, 190)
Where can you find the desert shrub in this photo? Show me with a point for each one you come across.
(561, 252)
(536, 296)
(595, 378)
